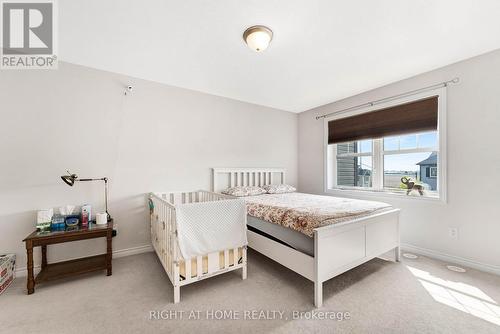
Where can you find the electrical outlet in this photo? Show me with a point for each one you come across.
(453, 232)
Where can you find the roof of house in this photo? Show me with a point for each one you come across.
(431, 160)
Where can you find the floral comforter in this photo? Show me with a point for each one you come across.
(305, 212)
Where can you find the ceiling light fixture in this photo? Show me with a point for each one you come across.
(258, 37)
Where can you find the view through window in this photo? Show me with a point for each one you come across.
(404, 164)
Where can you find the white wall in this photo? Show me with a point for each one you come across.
(473, 163)
(164, 138)
(159, 138)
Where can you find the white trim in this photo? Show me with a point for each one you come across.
(442, 156)
(452, 259)
(355, 155)
(23, 271)
(132, 251)
(378, 164)
(364, 192)
(442, 140)
(411, 150)
(432, 168)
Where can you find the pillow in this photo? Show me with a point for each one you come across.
(241, 191)
(279, 189)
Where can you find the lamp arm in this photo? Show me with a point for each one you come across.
(105, 179)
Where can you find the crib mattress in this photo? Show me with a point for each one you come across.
(194, 267)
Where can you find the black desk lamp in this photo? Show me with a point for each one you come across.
(70, 181)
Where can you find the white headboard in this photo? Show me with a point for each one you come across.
(223, 178)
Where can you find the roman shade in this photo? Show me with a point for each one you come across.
(416, 116)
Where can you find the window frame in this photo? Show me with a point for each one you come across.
(435, 174)
(330, 177)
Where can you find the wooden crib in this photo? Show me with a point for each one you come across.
(164, 238)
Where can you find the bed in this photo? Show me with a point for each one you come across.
(319, 252)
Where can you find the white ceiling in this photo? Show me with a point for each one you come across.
(322, 51)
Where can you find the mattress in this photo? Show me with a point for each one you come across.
(304, 213)
(281, 234)
(204, 265)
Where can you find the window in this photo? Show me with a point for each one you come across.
(354, 164)
(398, 160)
(433, 172)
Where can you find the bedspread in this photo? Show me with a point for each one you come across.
(305, 212)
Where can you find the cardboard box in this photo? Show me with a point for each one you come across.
(7, 270)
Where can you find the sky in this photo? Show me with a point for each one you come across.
(402, 162)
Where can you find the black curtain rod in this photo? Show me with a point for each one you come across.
(390, 98)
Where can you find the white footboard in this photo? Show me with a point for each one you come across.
(164, 239)
(341, 247)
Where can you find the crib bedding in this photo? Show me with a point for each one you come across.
(206, 227)
(305, 212)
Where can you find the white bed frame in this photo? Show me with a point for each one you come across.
(337, 248)
(165, 244)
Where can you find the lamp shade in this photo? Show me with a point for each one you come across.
(69, 179)
(258, 37)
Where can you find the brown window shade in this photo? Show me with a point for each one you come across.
(417, 116)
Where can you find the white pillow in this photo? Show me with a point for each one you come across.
(279, 189)
(241, 191)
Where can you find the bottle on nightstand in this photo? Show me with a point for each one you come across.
(86, 215)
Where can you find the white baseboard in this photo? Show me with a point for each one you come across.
(22, 272)
(452, 259)
(132, 251)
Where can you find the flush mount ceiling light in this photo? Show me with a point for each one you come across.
(258, 37)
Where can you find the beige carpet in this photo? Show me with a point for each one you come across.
(415, 296)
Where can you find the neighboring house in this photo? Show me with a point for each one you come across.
(429, 171)
(349, 173)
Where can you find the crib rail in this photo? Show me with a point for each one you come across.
(174, 198)
(163, 233)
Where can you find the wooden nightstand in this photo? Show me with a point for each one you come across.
(73, 267)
